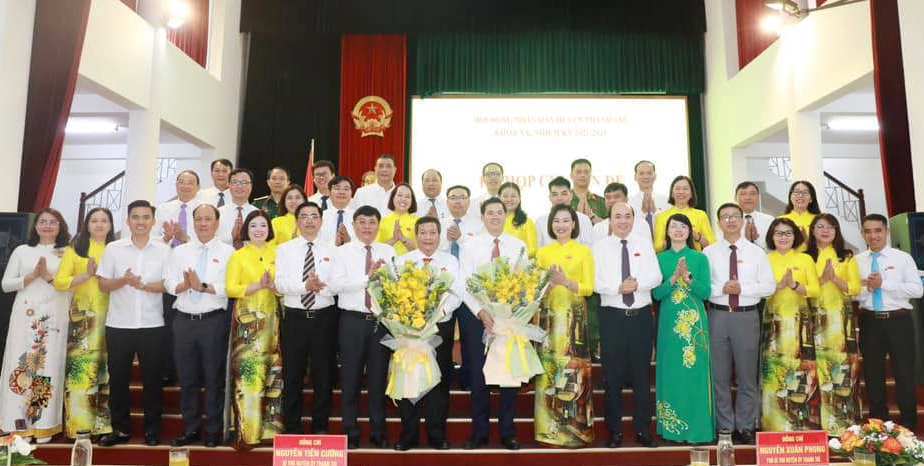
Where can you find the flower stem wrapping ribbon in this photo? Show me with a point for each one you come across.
(413, 370)
(511, 359)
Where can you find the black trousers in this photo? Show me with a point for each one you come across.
(169, 366)
(625, 354)
(361, 349)
(436, 401)
(200, 348)
(305, 338)
(895, 338)
(122, 346)
(472, 333)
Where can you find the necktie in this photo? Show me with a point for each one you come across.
(627, 298)
(238, 224)
(877, 293)
(427, 260)
(650, 220)
(748, 224)
(221, 199)
(368, 300)
(324, 202)
(308, 298)
(201, 269)
(433, 205)
(182, 222)
(339, 219)
(454, 247)
(733, 275)
(495, 253)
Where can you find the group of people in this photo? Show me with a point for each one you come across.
(209, 287)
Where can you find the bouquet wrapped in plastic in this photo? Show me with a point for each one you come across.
(511, 293)
(409, 302)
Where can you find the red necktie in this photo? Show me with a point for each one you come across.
(239, 224)
(495, 253)
(368, 269)
(427, 260)
(733, 275)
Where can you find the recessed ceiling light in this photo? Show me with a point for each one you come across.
(853, 123)
(86, 125)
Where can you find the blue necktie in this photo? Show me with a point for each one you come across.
(201, 269)
(877, 293)
(454, 247)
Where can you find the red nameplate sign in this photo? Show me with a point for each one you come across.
(803, 448)
(310, 450)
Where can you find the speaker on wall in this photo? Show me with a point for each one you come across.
(14, 231)
(907, 232)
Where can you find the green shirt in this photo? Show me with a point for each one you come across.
(268, 205)
(597, 204)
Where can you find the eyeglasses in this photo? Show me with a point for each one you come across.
(47, 222)
(784, 233)
(801, 193)
(239, 183)
(730, 218)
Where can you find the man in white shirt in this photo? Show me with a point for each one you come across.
(492, 177)
(890, 281)
(277, 179)
(741, 277)
(360, 336)
(613, 194)
(457, 227)
(323, 171)
(427, 231)
(234, 212)
(626, 272)
(430, 203)
(377, 194)
(491, 244)
(219, 194)
(337, 224)
(309, 329)
(756, 223)
(195, 275)
(173, 224)
(647, 202)
(560, 194)
(132, 272)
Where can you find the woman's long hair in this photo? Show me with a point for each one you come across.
(684, 220)
(81, 241)
(63, 235)
(812, 207)
(519, 216)
(842, 251)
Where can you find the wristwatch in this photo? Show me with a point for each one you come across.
(203, 287)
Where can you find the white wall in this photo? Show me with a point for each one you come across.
(16, 21)
(822, 58)
(910, 14)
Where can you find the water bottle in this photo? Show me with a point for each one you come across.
(82, 453)
(725, 451)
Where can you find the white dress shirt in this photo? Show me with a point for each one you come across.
(130, 307)
(350, 279)
(318, 199)
(660, 200)
(290, 268)
(328, 233)
(211, 195)
(762, 221)
(900, 279)
(639, 228)
(586, 236)
(470, 228)
(754, 272)
(227, 217)
(477, 252)
(170, 211)
(441, 262)
(424, 204)
(374, 195)
(186, 257)
(643, 266)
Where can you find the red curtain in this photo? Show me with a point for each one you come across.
(892, 107)
(373, 96)
(57, 40)
(193, 36)
(752, 40)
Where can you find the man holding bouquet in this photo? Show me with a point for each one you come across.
(491, 244)
(436, 402)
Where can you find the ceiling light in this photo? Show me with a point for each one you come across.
(78, 125)
(785, 6)
(177, 13)
(853, 123)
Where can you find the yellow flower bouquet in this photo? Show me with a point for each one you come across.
(409, 301)
(512, 294)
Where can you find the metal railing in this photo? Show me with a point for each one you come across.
(839, 199)
(110, 193)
